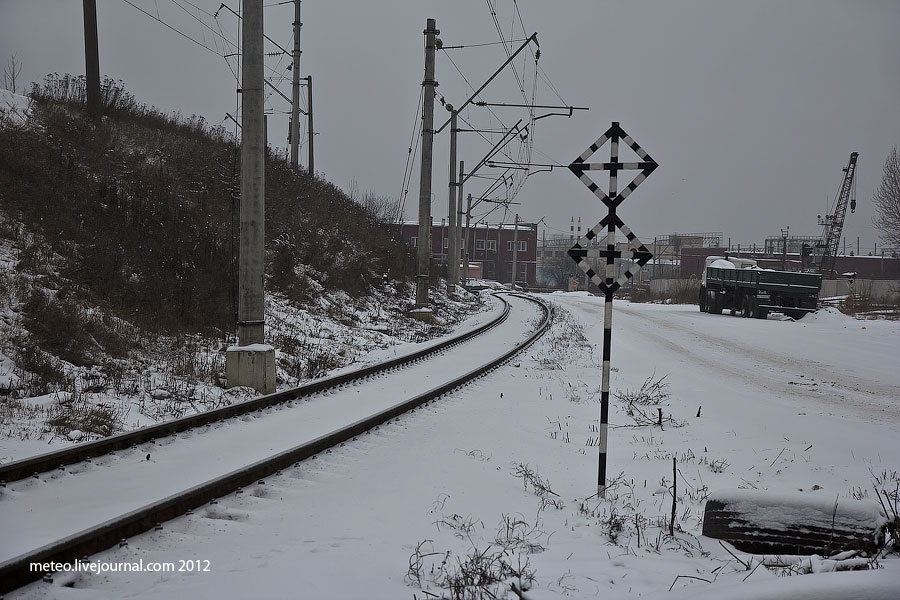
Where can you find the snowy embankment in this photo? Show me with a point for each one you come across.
(499, 479)
(14, 106)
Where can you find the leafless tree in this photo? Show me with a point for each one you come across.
(11, 73)
(887, 201)
(383, 209)
(558, 270)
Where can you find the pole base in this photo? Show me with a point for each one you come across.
(251, 366)
(424, 314)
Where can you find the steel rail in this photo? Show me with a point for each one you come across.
(42, 463)
(17, 572)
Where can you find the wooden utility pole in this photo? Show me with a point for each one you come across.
(92, 58)
(295, 89)
(424, 242)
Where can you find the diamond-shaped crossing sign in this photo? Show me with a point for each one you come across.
(640, 255)
(646, 166)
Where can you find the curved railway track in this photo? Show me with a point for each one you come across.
(105, 532)
(42, 463)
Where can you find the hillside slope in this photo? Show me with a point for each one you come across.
(118, 245)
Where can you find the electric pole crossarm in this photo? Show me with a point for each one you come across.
(507, 137)
(532, 38)
(277, 91)
(491, 189)
(571, 109)
(541, 106)
(265, 37)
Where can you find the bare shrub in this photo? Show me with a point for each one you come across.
(13, 411)
(486, 571)
(566, 343)
(653, 392)
(678, 291)
(95, 420)
(61, 327)
(39, 372)
(541, 486)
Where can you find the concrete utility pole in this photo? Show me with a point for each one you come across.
(92, 58)
(252, 363)
(468, 225)
(459, 238)
(309, 125)
(251, 306)
(512, 286)
(453, 245)
(295, 89)
(424, 242)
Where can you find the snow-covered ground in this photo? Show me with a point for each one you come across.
(153, 471)
(15, 107)
(500, 477)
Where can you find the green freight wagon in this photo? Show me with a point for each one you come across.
(753, 292)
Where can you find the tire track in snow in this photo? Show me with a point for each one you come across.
(771, 371)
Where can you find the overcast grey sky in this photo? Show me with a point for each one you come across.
(751, 108)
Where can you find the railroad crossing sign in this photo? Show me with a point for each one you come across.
(639, 253)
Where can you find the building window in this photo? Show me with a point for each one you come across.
(492, 245)
(414, 242)
(479, 244)
(522, 246)
(446, 242)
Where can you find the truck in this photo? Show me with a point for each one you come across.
(739, 286)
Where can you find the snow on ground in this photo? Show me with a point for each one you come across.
(15, 107)
(500, 477)
(165, 377)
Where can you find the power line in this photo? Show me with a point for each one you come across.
(184, 35)
(410, 156)
(472, 87)
(519, 80)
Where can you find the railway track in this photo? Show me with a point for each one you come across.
(29, 467)
(243, 453)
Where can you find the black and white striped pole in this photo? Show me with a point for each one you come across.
(640, 255)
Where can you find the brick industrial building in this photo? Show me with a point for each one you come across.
(492, 249)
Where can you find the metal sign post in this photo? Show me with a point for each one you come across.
(640, 255)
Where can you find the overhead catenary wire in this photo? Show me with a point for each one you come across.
(482, 44)
(181, 33)
(506, 48)
(410, 157)
(213, 38)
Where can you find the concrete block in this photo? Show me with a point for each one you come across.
(251, 366)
